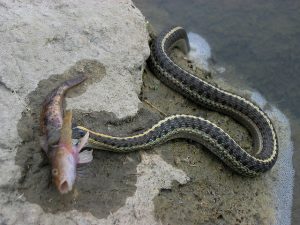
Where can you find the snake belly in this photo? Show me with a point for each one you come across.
(196, 128)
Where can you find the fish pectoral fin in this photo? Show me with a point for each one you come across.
(85, 156)
(43, 143)
(83, 141)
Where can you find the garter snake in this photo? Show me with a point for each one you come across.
(196, 128)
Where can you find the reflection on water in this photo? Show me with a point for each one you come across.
(200, 51)
(257, 40)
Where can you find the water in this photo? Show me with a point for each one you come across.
(200, 51)
(257, 42)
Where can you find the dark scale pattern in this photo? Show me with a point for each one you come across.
(167, 71)
(160, 63)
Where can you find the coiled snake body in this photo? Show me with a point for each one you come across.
(197, 128)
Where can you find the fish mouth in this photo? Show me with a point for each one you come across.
(64, 187)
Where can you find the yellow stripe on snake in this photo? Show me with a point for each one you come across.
(196, 128)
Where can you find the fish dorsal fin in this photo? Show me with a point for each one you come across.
(66, 130)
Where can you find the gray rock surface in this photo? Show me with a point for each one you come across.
(45, 42)
(41, 38)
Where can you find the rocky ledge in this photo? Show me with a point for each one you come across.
(44, 43)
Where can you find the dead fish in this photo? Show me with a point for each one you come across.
(65, 156)
(51, 117)
(56, 138)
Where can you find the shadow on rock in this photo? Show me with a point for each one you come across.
(103, 185)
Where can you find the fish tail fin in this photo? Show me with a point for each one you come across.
(65, 86)
(73, 82)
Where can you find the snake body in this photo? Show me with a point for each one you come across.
(196, 128)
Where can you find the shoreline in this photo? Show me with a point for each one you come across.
(176, 182)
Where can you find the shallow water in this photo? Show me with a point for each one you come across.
(256, 42)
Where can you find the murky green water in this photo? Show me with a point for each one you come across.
(257, 41)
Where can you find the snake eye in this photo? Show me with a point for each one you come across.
(54, 172)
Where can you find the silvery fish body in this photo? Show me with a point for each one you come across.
(56, 138)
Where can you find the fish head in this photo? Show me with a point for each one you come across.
(66, 156)
(64, 163)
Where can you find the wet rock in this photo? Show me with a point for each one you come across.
(177, 183)
(44, 43)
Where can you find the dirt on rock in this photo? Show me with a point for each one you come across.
(214, 195)
(103, 185)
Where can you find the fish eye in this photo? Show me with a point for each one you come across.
(54, 172)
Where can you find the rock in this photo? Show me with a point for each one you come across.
(42, 39)
(43, 43)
